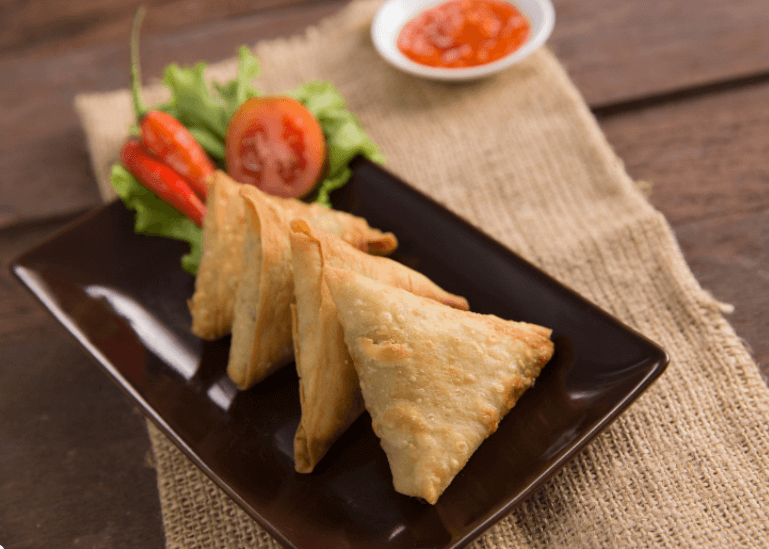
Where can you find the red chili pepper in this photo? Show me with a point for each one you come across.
(172, 143)
(162, 180)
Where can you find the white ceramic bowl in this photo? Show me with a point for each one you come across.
(393, 14)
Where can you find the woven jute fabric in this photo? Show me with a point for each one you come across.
(520, 156)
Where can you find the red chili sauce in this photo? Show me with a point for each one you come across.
(464, 33)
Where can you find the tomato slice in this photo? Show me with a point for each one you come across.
(276, 144)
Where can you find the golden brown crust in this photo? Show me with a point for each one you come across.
(435, 380)
(213, 303)
(261, 329)
(318, 344)
(329, 391)
(349, 228)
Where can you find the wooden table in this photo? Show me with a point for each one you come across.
(680, 88)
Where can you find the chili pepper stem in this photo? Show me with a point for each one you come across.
(140, 108)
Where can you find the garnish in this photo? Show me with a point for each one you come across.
(276, 144)
(205, 110)
(162, 180)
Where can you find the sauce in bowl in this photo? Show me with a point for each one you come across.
(464, 33)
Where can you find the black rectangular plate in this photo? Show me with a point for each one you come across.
(123, 297)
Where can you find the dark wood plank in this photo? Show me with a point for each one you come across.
(729, 256)
(705, 157)
(615, 51)
(622, 51)
(708, 161)
(40, 135)
(50, 26)
(74, 453)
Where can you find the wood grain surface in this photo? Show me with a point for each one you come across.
(680, 88)
(619, 52)
(50, 26)
(615, 51)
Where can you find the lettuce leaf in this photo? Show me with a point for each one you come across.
(238, 91)
(206, 111)
(345, 136)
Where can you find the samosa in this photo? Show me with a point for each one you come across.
(213, 303)
(328, 385)
(435, 380)
(261, 327)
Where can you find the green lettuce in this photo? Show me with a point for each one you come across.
(345, 137)
(205, 110)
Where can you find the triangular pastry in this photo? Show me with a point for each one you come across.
(435, 380)
(261, 327)
(328, 385)
(216, 284)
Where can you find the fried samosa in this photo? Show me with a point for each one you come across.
(261, 328)
(435, 380)
(216, 284)
(328, 385)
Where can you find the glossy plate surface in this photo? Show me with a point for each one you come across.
(123, 297)
(394, 14)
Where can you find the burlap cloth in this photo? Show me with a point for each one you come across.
(521, 156)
